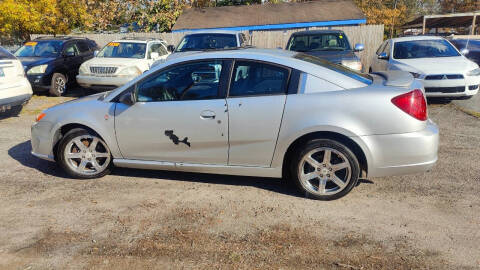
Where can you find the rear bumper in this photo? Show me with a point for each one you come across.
(103, 83)
(398, 154)
(15, 95)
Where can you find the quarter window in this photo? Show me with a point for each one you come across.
(191, 81)
(255, 78)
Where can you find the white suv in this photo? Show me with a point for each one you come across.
(15, 90)
(120, 61)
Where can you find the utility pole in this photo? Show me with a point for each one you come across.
(393, 20)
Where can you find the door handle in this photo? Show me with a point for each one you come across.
(207, 115)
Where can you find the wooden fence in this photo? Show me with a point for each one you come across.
(370, 35)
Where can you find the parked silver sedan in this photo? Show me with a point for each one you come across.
(252, 112)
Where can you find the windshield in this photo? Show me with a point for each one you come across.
(47, 48)
(123, 50)
(423, 49)
(4, 54)
(319, 42)
(197, 42)
(364, 78)
(462, 44)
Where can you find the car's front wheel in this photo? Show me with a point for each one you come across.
(324, 169)
(83, 154)
(58, 85)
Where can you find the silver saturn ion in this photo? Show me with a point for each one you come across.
(252, 112)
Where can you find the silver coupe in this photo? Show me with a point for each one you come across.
(252, 112)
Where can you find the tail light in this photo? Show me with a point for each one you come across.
(412, 103)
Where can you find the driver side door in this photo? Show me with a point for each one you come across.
(179, 115)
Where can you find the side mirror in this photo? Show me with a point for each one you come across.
(359, 47)
(383, 56)
(464, 51)
(127, 98)
(95, 53)
(69, 54)
(154, 55)
(171, 48)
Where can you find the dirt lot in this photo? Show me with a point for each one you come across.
(137, 219)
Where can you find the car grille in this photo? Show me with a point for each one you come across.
(456, 89)
(444, 77)
(103, 70)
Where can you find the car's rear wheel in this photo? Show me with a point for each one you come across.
(324, 169)
(83, 154)
(58, 86)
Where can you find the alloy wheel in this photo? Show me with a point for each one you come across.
(324, 171)
(60, 85)
(87, 155)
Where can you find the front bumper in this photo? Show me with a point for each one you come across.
(452, 88)
(40, 82)
(103, 83)
(399, 154)
(42, 141)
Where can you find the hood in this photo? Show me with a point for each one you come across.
(75, 101)
(34, 61)
(437, 65)
(334, 56)
(113, 62)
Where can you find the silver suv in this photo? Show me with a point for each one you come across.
(268, 113)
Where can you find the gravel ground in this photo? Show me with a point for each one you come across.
(136, 219)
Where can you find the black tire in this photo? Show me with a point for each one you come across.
(337, 149)
(58, 85)
(62, 147)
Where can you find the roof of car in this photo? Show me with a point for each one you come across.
(213, 32)
(316, 32)
(138, 40)
(60, 38)
(413, 38)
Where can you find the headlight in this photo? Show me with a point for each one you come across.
(352, 64)
(37, 69)
(83, 70)
(130, 71)
(475, 72)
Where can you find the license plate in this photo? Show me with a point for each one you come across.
(2, 74)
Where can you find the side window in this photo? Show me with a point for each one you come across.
(380, 49)
(243, 40)
(254, 78)
(72, 47)
(162, 50)
(158, 48)
(83, 47)
(190, 81)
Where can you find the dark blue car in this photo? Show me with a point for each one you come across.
(331, 45)
(51, 63)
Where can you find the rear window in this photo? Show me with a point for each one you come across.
(4, 54)
(364, 78)
(196, 42)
